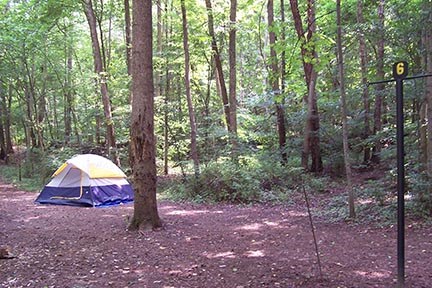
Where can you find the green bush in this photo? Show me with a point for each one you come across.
(245, 180)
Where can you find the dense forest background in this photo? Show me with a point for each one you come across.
(249, 95)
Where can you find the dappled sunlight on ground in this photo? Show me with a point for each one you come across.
(29, 219)
(254, 253)
(373, 274)
(250, 227)
(187, 212)
(20, 199)
(272, 224)
(364, 201)
(214, 246)
(228, 254)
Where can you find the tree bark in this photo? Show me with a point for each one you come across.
(280, 108)
(128, 35)
(218, 63)
(344, 112)
(8, 135)
(379, 87)
(99, 69)
(192, 122)
(68, 96)
(143, 142)
(158, 72)
(364, 81)
(3, 153)
(30, 105)
(233, 75)
(274, 80)
(428, 100)
(311, 143)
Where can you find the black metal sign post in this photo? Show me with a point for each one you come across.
(400, 71)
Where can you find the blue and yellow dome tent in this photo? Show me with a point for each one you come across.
(87, 180)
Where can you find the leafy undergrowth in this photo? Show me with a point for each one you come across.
(11, 174)
(249, 183)
(375, 191)
(375, 203)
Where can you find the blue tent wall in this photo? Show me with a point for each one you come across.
(95, 196)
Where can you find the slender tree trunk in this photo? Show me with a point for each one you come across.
(344, 111)
(143, 142)
(99, 18)
(428, 98)
(166, 119)
(218, 63)
(41, 110)
(3, 152)
(7, 123)
(311, 144)
(423, 141)
(68, 98)
(99, 69)
(128, 36)
(280, 107)
(233, 75)
(274, 80)
(379, 87)
(29, 123)
(158, 72)
(314, 126)
(192, 122)
(364, 81)
(98, 129)
(166, 91)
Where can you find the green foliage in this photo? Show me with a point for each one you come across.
(245, 180)
(10, 174)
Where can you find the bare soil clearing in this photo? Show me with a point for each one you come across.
(199, 246)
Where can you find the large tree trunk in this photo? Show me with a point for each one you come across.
(192, 122)
(311, 144)
(344, 111)
(143, 142)
(218, 63)
(364, 81)
(379, 87)
(274, 80)
(99, 69)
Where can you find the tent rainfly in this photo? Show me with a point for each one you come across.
(87, 180)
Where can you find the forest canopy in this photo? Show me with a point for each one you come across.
(260, 91)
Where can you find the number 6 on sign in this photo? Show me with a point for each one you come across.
(400, 70)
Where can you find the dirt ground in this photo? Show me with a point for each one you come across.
(199, 246)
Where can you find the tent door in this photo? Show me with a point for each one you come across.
(72, 198)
